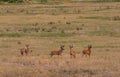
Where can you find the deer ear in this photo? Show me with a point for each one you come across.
(90, 45)
(71, 46)
(27, 44)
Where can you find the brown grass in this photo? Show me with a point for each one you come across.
(96, 26)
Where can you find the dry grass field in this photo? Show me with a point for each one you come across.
(46, 27)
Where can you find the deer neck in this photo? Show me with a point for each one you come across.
(27, 48)
(70, 49)
(89, 49)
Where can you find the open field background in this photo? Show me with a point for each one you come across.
(46, 27)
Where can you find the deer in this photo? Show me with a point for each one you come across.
(57, 52)
(72, 52)
(25, 50)
(87, 51)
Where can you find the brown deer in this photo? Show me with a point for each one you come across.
(72, 52)
(25, 50)
(57, 52)
(87, 51)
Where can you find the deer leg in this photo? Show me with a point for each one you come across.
(59, 56)
(21, 53)
(82, 55)
(74, 56)
(70, 56)
(89, 55)
(51, 55)
(26, 53)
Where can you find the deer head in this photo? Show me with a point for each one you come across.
(89, 46)
(70, 46)
(27, 45)
(62, 47)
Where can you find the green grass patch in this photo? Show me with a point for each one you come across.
(4, 46)
(96, 17)
(56, 35)
(104, 33)
(90, 72)
(106, 46)
(75, 41)
(35, 35)
(11, 35)
(12, 1)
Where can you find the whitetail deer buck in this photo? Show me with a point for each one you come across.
(57, 52)
(25, 50)
(87, 51)
(72, 52)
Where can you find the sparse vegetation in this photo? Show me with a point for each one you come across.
(50, 24)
